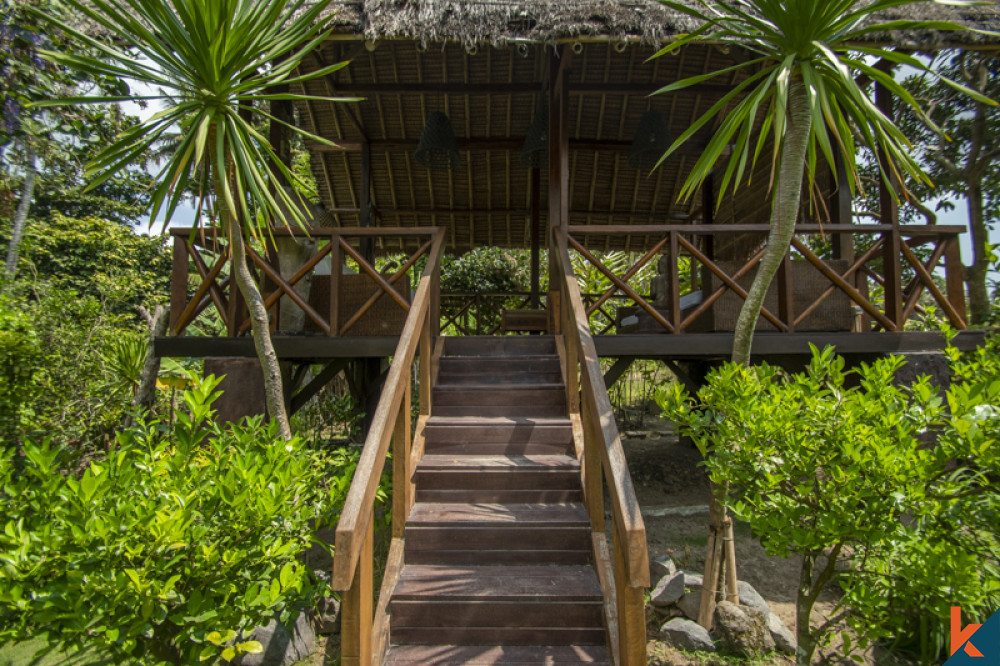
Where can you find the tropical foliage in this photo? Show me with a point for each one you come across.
(834, 466)
(796, 103)
(173, 546)
(211, 68)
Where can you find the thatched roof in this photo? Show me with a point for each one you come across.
(499, 22)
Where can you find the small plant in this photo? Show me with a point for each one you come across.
(843, 477)
(172, 546)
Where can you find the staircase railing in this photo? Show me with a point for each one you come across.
(603, 460)
(364, 632)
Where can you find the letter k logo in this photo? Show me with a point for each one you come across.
(960, 635)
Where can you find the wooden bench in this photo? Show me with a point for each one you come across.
(524, 321)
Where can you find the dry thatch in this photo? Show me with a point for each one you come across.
(499, 22)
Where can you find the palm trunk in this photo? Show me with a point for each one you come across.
(273, 390)
(783, 216)
(976, 275)
(784, 212)
(21, 215)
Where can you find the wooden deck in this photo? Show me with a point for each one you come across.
(685, 346)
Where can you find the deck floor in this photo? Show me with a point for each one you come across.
(685, 346)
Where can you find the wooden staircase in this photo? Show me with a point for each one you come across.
(497, 549)
(500, 553)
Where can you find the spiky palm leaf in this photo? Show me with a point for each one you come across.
(207, 62)
(825, 45)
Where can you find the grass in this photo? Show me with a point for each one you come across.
(23, 654)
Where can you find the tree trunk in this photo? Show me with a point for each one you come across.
(784, 211)
(273, 390)
(803, 611)
(976, 274)
(21, 214)
(146, 394)
(274, 395)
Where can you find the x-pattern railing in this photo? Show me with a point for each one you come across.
(893, 246)
(207, 252)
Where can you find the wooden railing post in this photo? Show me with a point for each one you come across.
(631, 610)
(954, 276)
(786, 295)
(675, 283)
(356, 607)
(892, 272)
(402, 438)
(178, 283)
(336, 268)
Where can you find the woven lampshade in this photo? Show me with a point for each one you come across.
(650, 141)
(535, 152)
(437, 148)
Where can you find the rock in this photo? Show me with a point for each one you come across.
(784, 640)
(668, 591)
(327, 616)
(750, 597)
(661, 567)
(280, 647)
(743, 629)
(690, 603)
(693, 579)
(686, 635)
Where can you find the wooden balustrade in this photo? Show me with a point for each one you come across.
(859, 282)
(624, 579)
(364, 631)
(207, 251)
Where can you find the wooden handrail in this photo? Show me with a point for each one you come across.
(364, 631)
(359, 504)
(603, 461)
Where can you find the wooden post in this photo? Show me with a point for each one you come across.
(368, 242)
(631, 611)
(558, 151)
(675, 287)
(786, 293)
(841, 209)
(401, 476)
(535, 236)
(356, 607)
(336, 268)
(179, 283)
(424, 376)
(889, 214)
(708, 214)
(954, 276)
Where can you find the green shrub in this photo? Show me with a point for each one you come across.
(20, 353)
(170, 547)
(842, 476)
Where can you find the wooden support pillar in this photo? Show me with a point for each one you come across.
(841, 209)
(889, 214)
(536, 233)
(708, 213)
(558, 150)
(179, 282)
(356, 607)
(367, 243)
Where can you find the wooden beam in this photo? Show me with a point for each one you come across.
(362, 88)
(615, 372)
(536, 223)
(513, 143)
(326, 376)
(285, 346)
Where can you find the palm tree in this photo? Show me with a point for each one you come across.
(212, 65)
(800, 93)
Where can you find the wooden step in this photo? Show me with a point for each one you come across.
(497, 605)
(500, 345)
(499, 400)
(488, 655)
(504, 376)
(485, 533)
(462, 366)
(499, 479)
(476, 435)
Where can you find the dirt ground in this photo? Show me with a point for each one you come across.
(672, 489)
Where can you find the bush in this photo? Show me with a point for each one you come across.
(842, 476)
(172, 546)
